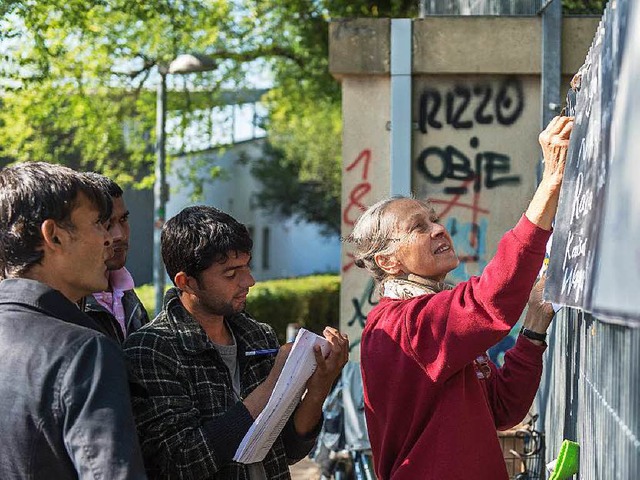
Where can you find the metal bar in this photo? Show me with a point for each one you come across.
(550, 100)
(401, 63)
(551, 60)
(544, 6)
(159, 192)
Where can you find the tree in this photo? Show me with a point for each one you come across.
(302, 165)
(77, 84)
(78, 79)
(583, 7)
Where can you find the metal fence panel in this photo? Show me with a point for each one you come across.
(591, 394)
(482, 7)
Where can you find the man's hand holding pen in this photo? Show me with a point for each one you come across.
(257, 399)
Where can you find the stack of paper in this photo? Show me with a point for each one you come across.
(289, 388)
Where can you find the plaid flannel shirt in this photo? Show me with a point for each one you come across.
(191, 422)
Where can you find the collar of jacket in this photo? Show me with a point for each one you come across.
(90, 304)
(190, 334)
(41, 297)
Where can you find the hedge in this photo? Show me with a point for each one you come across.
(147, 296)
(312, 302)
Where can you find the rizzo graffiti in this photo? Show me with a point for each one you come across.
(503, 105)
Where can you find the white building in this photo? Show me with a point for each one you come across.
(282, 247)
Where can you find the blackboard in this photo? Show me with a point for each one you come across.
(575, 246)
(617, 277)
(575, 230)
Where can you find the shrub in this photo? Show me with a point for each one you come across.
(146, 294)
(311, 302)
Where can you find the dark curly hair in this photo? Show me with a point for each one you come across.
(31, 193)
(198, 236)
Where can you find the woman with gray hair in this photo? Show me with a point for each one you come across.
(433, 400)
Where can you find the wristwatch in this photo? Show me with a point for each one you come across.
(533, 335)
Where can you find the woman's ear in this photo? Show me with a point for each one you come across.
(388, 262)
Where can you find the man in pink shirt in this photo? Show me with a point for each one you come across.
(118, 310)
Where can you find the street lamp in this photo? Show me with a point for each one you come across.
(182, 64)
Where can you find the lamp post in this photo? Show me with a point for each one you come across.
(182, 64)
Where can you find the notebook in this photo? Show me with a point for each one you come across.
(286, 395)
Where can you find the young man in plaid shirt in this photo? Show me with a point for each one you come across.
(203, 391)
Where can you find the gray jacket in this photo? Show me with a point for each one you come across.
(65, 408)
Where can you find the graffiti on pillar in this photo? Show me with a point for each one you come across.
(361, 306)
(356, 203)
(355, 200)
(463, 105)
(487, 170)
(460, 173)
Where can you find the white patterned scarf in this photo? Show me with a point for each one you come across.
(409, 286)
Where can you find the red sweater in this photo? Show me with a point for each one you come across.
(429, 415)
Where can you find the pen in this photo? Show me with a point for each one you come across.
(268, 351)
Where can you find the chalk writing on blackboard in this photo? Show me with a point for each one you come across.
(574, 252)
(615, 297)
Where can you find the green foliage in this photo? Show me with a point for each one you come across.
(312, 302)
(146, 294)
(58, 125)
(582, 7)
(77, 80)
(301, 168)
(289, 190)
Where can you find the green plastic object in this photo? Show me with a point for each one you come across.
(567, 462)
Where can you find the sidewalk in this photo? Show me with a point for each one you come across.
(305, 469)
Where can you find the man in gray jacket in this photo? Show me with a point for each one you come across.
(118, 309)
(65, 408)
